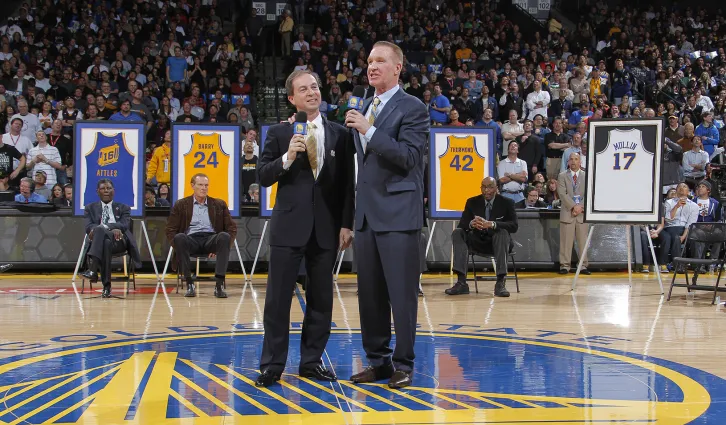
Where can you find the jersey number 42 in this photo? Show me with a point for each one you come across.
(462, 165)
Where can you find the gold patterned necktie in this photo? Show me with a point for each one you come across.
(312, 150)
(374, 112)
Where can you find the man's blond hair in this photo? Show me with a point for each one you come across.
(396, 50)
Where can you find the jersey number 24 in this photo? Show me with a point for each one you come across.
(200, 157)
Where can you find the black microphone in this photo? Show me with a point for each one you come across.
(300, 127)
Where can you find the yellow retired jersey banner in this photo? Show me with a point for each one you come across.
(210, 149)
(459, 158)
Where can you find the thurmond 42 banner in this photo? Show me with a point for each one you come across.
(109, 150)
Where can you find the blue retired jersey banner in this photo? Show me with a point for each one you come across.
(113, 151)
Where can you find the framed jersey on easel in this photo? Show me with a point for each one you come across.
(459, 159)
(625, 158)
(109, 150)
(211, 149)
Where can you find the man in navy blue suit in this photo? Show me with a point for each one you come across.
(390, 140)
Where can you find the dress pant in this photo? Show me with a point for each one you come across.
(283, 271)
(568, 233)
(671, 243)
(388, 278)
(552, 165)
(496, 242)
(202, 243)
(103, 246)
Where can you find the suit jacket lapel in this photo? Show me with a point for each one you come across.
(329, 147)
(390, 106)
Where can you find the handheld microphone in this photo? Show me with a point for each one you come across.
(357, 99)
(300, 127)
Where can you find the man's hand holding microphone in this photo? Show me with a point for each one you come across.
(354, 118)
(297, 143)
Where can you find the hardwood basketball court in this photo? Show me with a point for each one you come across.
(606, 353)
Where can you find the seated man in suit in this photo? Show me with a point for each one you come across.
(531, 199)
(108, 226)
(199, 224)
(486, 224)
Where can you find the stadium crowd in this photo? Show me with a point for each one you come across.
(165, 61)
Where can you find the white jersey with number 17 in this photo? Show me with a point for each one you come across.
(623, 174)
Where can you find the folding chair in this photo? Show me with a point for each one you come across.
(128, 264)
(487, 256)
(195, 277)
(708, 234)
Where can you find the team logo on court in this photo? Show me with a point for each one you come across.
(460, 378)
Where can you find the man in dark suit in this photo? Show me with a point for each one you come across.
(312, 218)
(390, 141)
(108, 226)
(486, 225)
(200, 224)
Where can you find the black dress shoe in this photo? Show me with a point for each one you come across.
(500, 288)
(459, 288)
(5, 267)
(400, 379)
(267, 378)
(219, 292)
(585, 272)
(191, 290)
(106, 293)
(318, 373)
(372, 374)
(563, 271)
(90, 275)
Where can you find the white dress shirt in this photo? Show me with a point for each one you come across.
(533, 98)
(384, 98)
(319, 134)
(109, 211)
(685, 216)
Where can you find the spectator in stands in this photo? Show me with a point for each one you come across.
(248, 176)
(15, 139)
(708, 132)
(253, 193)
(63, 143)
(162, 192)
(285, 30)
(512, 100)
(511, 130)
(159, 167)
(40, 178)
(69, 115)
(440, 106)
(530, 148)
(581, 115)
(44, 157)
(151, 201)
(27, 195)
(537, 101)
(694, 163)
(125, 114)
(512, 172)
(556, 142)
(531, 199)
(176, 68)
(186, 115)
(709, 211)
(674, 132)
(575, 147)
(31, 123)
(56, 193)
(680, 213)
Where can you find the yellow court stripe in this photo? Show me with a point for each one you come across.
(121, 390)
(205, 394)
(374, 395)
(264, 390)
(44, 380)
(69, 410)
(188, 404)
(337, 394)
(410, 397)
(450, 400)
(525, 402)
(229, 387)
(480, 397)
(4, 400)
(49, 390)
(63, 396)
(310, 396)
(155, 399)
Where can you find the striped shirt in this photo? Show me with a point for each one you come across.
(52, 155)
